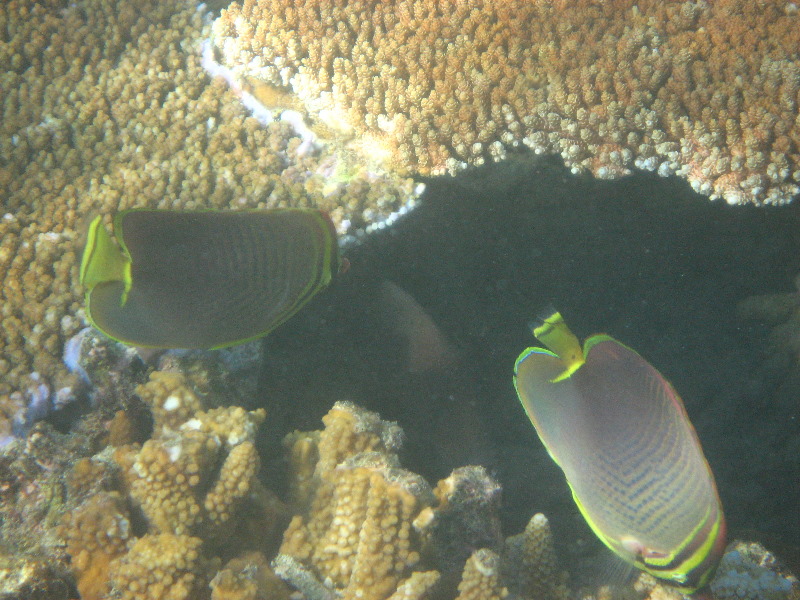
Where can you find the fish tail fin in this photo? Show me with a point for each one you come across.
(552, 331)
(103, 260)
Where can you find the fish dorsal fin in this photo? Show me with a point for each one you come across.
(103, 260)
(553, 332)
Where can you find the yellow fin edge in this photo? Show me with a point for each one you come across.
(554, 333)
(104, 261)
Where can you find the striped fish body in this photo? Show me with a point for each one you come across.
(204, 279)
(620, 433)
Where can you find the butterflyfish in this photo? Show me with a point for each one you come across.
(632, 459)
(204, 279)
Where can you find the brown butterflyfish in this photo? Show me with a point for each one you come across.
(204, 279)
(632, 459)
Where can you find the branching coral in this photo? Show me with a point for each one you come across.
(155, 520)
(705, 90)
(481, 578)
(371, 529)
(358, 532)
(199, 466)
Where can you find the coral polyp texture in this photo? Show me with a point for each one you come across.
(374, 530)
(105, 106)
(155, 520)
(705, 90)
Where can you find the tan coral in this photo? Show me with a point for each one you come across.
(164, 479)
(705, 90)
(161, 567)
(419, 586)
(199, 466)
(481, 578)
(358, 533)
(350, 430)
(106, 106)
(96, 533)
(248, 577)
(530, 563)
(172, 402)
(237, 475)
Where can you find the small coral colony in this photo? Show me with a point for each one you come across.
(160, 495)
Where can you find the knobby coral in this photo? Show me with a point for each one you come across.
(376, 531)
(175, 503)
(105, 106)
(705, 90)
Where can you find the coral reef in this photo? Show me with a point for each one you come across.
(33, 579)
(749, 572)
(183, 515)
(106, 106)
(705, 90)
(199, 466)
(155, 519)
(374, 530)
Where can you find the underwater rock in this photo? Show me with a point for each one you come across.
(228, 376)
(33, 578)
(111, 370)
(248, 577)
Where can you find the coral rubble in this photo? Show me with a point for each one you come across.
(705, 90)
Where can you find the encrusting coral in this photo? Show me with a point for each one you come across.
(705, 90)
(105, 106)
